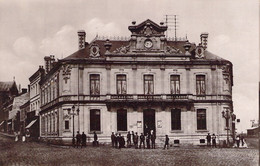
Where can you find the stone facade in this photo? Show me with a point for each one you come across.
(141, 84)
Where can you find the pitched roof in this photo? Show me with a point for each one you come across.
(6, 86)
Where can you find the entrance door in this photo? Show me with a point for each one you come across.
(149, 120)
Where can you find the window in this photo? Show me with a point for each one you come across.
(148, 84)
(94, 84)
(200, 85)
(67, 126)
(201, 119)
(176, 119)
(121, 84)
(94, 120)
(175, 84)
(121, 120)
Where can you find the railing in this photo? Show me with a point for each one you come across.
(122, 97)
(149, 97)
(178, 96)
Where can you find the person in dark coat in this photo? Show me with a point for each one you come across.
(113, 139)
(166, 142)
(214, 144)
(83, 139)
(120, 141)
(133, 135)
(148, 137)
(238, 141)
(136, 140)
(142, 140)
(208, 139)
(128, 137)
(78, 138)
(116, 140)
(153, 137)
(95, 143)
(242, 140)
(123, 142)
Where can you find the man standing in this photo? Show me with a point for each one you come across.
(153, 140)
(113, 138)
(214, 144)
(142, 140)
(95, 143)
(136, 140)
(133, 136)
(148, 140)
(83, 139)
(208, 139)
(128, 139)
(166, 142)
(78, 138)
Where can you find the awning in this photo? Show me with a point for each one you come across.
(30, 124)
(2, 123)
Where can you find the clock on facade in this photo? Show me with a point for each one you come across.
(148, 43)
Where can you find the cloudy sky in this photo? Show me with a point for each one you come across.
(32, 29)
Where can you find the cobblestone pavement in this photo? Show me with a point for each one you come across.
(32, 153)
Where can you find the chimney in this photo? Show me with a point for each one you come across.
(47, 61)
(82, 38)
(52, 60)
(204, 39)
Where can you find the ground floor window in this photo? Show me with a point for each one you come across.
(94, 120)
(67, 125)
(201, 119)
(176, 119)
(121, 120)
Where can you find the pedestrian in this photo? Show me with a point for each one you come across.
(133, 135)
(123, 142)
(95, 143)
(153, 137)
(120, 141)
(142, 140)
(113, 139)
(83, 139)
(136, 140)
(116, 140)
(242, 140)
(148, 137)
(208, 140)
(128, 137)
(238, 141)
(214, 144)
(78, 138)
(27, 135)
(166, 142)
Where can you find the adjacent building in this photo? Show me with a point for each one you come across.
(141, 83)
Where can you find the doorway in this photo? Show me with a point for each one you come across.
(149, 120)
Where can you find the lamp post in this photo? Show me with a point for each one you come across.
(227, 116)
(73, 114)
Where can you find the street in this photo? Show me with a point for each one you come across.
(32, 153)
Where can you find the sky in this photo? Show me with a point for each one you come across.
(32, 29)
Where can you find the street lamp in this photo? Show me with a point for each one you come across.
(73, 114)
(227, 116)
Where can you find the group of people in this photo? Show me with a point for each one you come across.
(132, 139)
(240, 139)
(213, 138)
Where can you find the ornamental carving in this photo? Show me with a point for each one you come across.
(66, 72)
(172, 50)
(94, 50)
(122, 49)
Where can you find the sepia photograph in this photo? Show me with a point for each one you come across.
(132, 82)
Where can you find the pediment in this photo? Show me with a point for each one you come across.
(147, 28)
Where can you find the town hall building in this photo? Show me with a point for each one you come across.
(142, 83)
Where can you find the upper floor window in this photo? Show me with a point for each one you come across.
(94, 120)
(148, 84)
(121, 84)
(175, 84)
(94, 84)
(200, 85)
(201, 119)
